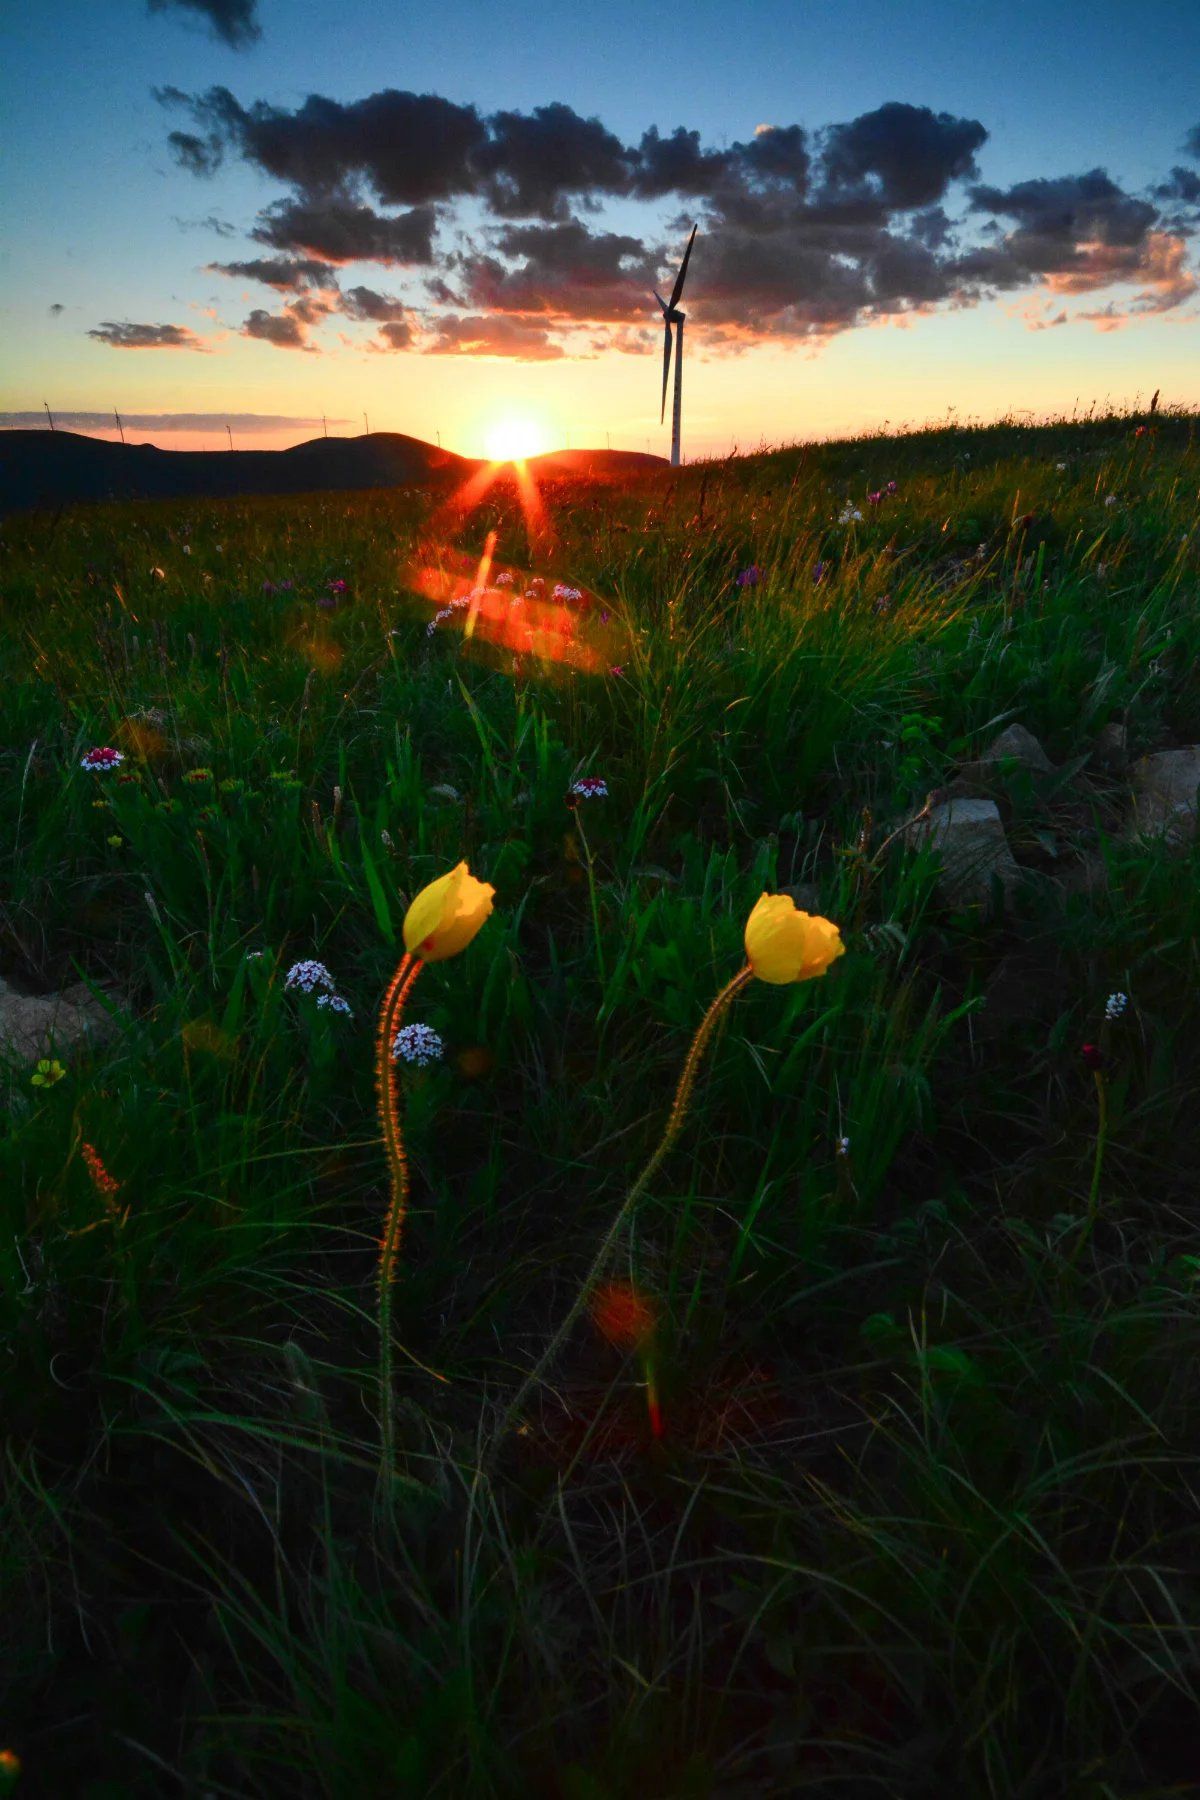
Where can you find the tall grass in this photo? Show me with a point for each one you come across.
(922, 1516)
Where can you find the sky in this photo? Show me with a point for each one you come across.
(257, 220)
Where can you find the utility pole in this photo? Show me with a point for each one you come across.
(324, 426)
(229, 434)
(366, 426)
(439, 439)
(49, 414)
(120, 427)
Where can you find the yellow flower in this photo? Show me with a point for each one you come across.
(445, 916)
(47, 1072)
(785, 944)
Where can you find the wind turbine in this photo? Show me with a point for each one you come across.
(673, 316)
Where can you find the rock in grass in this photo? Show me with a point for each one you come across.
(969, 839)
(31, 1025)
(1165, 793)
(1014, 744)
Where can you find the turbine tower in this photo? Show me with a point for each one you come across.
(673, 316)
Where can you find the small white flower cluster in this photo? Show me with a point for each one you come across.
(308, 976)
(255, 955)
(1061, 467)
(590, 787)
(1116, 1005)
(503, 579)
(843, 1146)
(848, 515)
(335, 1003)
(563, 592)
(1110, 499)
(443, 612)
(417, 1044)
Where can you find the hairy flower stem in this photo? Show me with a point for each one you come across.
(394, 1001)
(675, 1121)
(1097, 1162)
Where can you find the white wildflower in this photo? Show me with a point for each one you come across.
(308, 976)
(335, 1003)
(418, 1044)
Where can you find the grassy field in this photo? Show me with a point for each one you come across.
(923, 1515)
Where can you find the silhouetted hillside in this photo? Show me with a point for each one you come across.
(48, 468)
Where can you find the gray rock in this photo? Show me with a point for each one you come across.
(33, 1025)
(1164, 793)
(968, 836)
(1013, 744)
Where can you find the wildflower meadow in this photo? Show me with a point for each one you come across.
(574, 1246)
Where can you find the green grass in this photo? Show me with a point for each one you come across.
(923, 1519)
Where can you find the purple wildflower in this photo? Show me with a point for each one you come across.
(750, 577)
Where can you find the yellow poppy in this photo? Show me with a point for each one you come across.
(446, 915)
(784, 944)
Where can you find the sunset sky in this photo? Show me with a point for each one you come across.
(451, 218)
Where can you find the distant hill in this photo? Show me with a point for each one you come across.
(46, 468)
(49, 468)
(596, 462)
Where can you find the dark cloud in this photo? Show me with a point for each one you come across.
(900, 156)
(124, 336)
(285, 274)
(454, 335)
(365, 303)
(677, 165)
(55, 307)
(394, 334)
(345, 230)
(410, 148)
(1181, 184)
(1070, 208)
(1075, 232)
(531, 162)
(233, 21)
(285, 330)
(802, 234)
(564, 270)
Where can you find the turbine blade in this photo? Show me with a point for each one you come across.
(660, 300)
(679, 279)
(666, 371)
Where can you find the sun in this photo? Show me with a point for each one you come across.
(512, 440)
